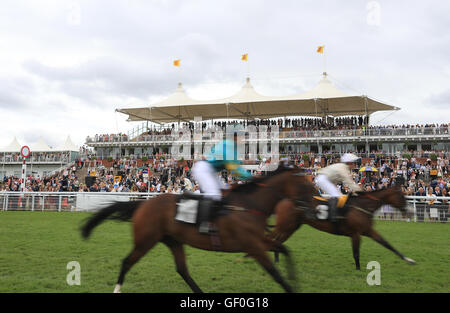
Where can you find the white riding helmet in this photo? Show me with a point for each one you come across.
(349, 157)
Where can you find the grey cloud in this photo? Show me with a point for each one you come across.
(441, 100)
(130, 48)
(16, 92)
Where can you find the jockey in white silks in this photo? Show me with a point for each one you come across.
(206, 172)
(338, 173)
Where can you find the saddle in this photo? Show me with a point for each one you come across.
(342, 200)
(196, 209)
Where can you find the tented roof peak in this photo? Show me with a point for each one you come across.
(40, 146)
(68, 145)
(14, 146)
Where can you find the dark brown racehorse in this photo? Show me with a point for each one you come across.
(358, 221)
(241, 230)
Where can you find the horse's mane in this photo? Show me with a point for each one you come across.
(362, 193)
(390, 188)
(252, 184)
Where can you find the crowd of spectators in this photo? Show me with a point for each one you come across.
(285, 124)
(170, 175)
(166, 175)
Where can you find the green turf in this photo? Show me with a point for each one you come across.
(36, 247)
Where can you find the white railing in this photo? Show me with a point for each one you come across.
(429, 209)
(421, 208)
(375, 132)
(64, 201)
(296, 134)
(44, 159)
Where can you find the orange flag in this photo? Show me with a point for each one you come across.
(244, 57)
(176, 62)
(320, 49)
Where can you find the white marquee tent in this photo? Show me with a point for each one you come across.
(40, 146)
(14, 146)
(324, 99)
(68, 145)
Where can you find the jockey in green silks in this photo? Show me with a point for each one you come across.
(222, 156)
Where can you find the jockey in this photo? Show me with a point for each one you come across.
(206, 172)
(335, 174)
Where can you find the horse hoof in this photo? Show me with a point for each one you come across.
(410, 261)
(117, 289)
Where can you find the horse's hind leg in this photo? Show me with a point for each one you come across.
(180, 262)
(127, 263)
(377, 237)
(139, 250)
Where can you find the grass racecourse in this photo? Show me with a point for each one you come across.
(36, 247)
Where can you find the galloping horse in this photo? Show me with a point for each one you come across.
(240, 229)
(358, 221)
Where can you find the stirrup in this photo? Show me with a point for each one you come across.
(204, 228)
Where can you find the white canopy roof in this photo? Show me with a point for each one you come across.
(40, 146)
(14, 146)
(68, 145)
(324, 99)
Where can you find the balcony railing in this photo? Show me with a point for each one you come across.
(17, 158)
(296, 134)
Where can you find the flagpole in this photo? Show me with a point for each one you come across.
(248, 68)
(245, 58)
(179, 74)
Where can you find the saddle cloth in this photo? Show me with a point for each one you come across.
(187, 210)
(190, 210)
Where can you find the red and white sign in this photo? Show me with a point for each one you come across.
(25, 151)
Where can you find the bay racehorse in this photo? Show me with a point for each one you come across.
(239, 229)
(290, 215)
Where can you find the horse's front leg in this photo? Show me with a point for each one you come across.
(356, 242)
(377, 237)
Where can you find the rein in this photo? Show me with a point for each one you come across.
(362, 210)
(372, 197)
(252, 211)
(256, 212)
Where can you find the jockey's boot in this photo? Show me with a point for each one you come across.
(332, 214)
(204, 214)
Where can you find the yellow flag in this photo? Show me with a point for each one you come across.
(244, 57)
(176, 63)
(320, 49)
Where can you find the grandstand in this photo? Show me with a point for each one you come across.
(324, 120)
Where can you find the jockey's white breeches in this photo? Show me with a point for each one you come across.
(207, 179)
(327, 187)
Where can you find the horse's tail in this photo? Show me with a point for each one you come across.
(122, 211)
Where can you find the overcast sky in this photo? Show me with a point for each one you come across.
(65, 66)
